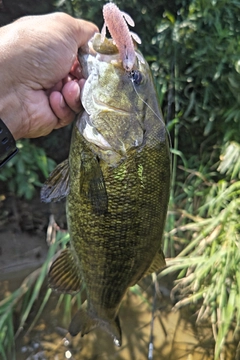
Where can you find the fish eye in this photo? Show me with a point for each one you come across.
(136, 77)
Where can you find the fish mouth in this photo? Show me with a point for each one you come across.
(104, 106)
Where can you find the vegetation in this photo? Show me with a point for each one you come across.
(21, 174)
(193, 48)
(209, 264)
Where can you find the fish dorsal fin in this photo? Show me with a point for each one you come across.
(56, 186)
(64, 274)
(157, 264)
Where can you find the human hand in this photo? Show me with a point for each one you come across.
(40, 76)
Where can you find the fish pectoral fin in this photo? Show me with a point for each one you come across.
(96, 190)
(157, 264)
(84, 323)
(56, 187)
(64, 275)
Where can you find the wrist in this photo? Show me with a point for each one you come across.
(7, 144)
(10, 114)
(10, 105)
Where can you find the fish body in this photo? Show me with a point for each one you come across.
(117, 181)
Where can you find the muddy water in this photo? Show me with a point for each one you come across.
(175, 334)
(174, 337)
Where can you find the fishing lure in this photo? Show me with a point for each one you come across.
(116, 21)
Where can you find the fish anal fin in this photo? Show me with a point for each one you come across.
(56, 187)
(83, 323)
(64, 275)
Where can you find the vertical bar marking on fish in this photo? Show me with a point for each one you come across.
(116, 22)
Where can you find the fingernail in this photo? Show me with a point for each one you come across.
(77, 92)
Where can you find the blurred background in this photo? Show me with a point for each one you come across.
(193, 48)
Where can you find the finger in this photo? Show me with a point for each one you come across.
(76, 70)
(81, 83)
(61, 109)
(84, 30)
(57, 87)
(71, 94)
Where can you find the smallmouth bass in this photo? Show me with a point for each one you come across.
(116, 181)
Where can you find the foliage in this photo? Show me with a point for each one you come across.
(198, 59)
(22, 173)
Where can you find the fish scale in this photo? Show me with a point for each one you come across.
(123, 227)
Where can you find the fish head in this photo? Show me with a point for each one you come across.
(114, 100)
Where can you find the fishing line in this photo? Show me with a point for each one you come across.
(135, 77)
(133, 83)
(150, 345)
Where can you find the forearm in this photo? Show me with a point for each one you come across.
(10, 105)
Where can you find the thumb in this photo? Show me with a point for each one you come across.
(84, 31)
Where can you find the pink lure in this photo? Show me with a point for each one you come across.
(116, 22)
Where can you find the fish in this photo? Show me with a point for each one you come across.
(116, 182)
